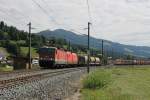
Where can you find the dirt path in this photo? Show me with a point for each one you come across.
(76, 96)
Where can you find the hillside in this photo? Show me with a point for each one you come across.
(14, 42)
(141, 51)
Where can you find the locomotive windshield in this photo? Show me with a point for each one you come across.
(47, 50)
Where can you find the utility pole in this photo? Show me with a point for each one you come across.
(88, 67)
(29, 45)
(112, 53)
(69, 46)
(102, 49)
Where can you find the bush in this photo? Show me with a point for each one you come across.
(13, 48)
(97, 79)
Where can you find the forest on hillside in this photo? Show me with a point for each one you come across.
(15, 41)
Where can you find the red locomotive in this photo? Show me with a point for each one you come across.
(53, 57)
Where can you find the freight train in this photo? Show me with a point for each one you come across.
(131, 62)
(52, 57)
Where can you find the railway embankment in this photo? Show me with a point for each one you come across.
(50, 86)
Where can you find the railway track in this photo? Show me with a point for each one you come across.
(20, 80)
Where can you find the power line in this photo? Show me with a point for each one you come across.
(73, 30)
(89, 12)
(59, 23)
(11, 19)
(46, 5)
(93, 28)
(44, 11)
(69, 29)
(25, 16)
(14, 20)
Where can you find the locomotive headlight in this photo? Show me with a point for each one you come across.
(50, 59)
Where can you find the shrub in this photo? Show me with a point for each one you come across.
(97, 79)
(13, 48)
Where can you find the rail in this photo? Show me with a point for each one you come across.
(13, 82)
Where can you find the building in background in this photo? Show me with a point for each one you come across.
(2, 56)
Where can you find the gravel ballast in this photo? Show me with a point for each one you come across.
(50, 88)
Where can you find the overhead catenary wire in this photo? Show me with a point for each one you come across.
(44, 11)
(47, 5)
(90, 15)
(89, 11)
(11, 19)
(28, 17)
(57, 23)
(93, 28)
(47, 13)
(69, 29)
(14, 20)
(49, 16)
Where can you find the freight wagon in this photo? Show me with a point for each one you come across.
(131, 62)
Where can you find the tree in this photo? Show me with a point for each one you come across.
(13, 48)
(1, 25)
(129, 57)
(14, 33)
(4, 35)
(37, 40)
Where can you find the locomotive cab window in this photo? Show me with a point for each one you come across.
(47, 50)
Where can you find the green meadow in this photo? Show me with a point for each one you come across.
(117, 83)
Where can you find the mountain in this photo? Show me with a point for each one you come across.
(140, 51)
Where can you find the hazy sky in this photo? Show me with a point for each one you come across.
(123, 21)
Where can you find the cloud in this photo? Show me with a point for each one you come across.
(137, 1)
(115, 20)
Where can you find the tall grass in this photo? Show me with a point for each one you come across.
(127, 83)
(97, 79)
(4, 67)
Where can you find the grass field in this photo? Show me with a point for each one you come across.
(4, 51)
(24, 51)
(117, 84)
(5, 68)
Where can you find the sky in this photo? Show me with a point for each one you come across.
(123, 21)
